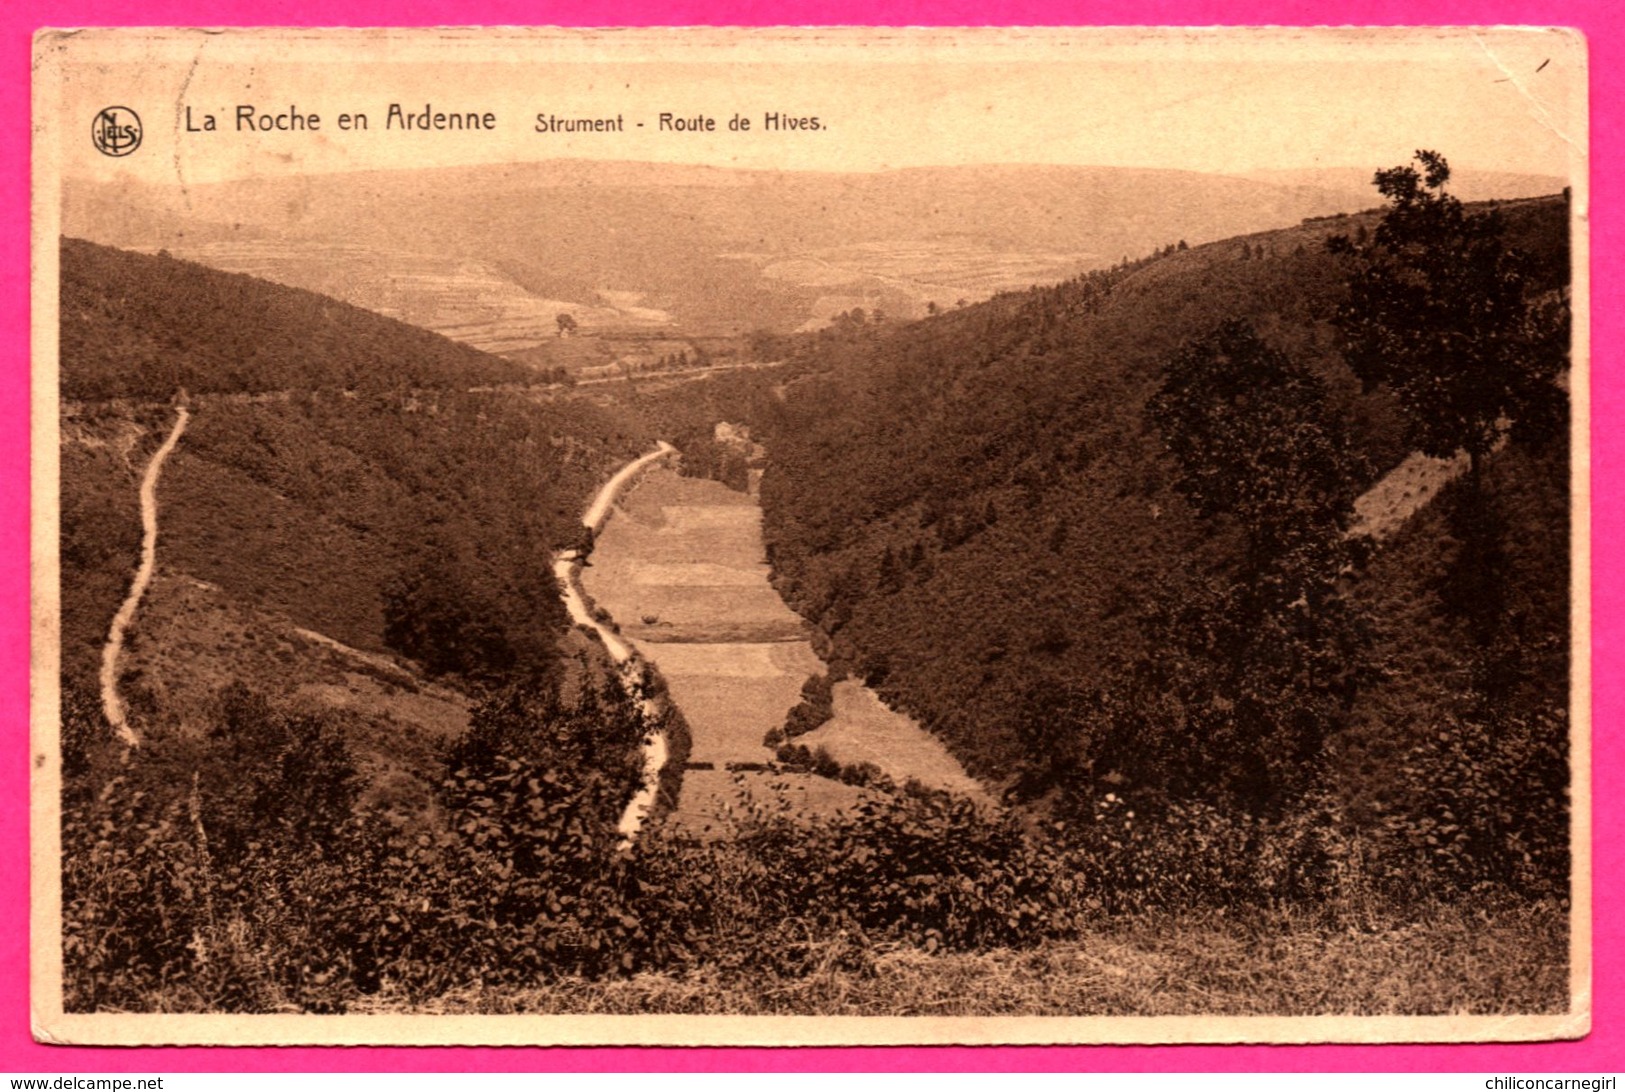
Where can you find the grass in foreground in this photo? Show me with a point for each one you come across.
(1453, 960)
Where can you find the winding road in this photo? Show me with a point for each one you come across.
(599, 510)
(567, 567)
(112, 704)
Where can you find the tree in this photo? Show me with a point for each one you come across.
(1253, 439)
(890, 579)
(270, 773)
(1236, 696)
(816, 706)
(1054, 727)
(566, 323)
(1439, 312)
(1248, 669)
(441, 612)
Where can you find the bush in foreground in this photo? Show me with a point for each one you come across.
(183, 894)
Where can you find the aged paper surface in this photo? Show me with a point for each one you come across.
(634, 216)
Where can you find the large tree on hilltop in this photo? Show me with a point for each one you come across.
(1439, 312)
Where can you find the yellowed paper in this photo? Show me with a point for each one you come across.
(632, 215)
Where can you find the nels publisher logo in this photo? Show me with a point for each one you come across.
(116, 131)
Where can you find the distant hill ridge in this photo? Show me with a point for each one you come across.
(1468, 185)
(708, 245)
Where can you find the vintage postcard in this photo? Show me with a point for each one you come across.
(815, 536)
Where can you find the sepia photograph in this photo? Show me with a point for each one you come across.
(810, 536)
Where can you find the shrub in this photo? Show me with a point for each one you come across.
(598, 737)
(930, 871)
(1191, 856)
(189, 876)
(527, 883)
(1481, 803)
(798, 757)
(816, 706)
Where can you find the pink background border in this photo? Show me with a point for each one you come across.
(1604, 1050)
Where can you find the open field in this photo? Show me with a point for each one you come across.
(714, 801)
(733, 693)
(682, 561)
(863, 729)
(1384, 508)
(907, 274)
(680, 567)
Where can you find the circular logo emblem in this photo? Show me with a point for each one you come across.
(116, 131)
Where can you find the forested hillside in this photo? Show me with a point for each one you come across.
(370, 498)
(354, 595)
(139, 326)
(1032, 524)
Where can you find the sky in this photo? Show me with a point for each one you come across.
(1195, 100)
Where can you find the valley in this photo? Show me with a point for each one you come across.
(1030, 631)
(680, 567)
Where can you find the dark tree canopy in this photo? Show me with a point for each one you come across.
(1251, 672)
(1439, 311)
(1254, 439)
